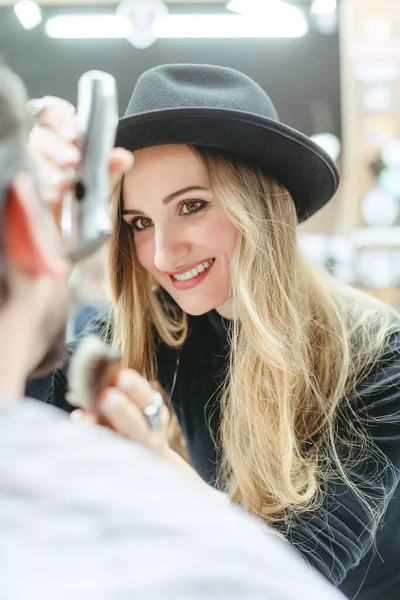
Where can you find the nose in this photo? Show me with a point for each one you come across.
(170, 249)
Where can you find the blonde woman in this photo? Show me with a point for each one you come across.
(285, 383)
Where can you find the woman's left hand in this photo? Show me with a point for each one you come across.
(122, 408)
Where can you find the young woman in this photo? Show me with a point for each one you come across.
(285, 382)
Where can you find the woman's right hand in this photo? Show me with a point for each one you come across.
(54, 144)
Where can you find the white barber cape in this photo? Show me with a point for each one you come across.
(85, 515)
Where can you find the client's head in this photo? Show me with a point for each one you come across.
(33, 272)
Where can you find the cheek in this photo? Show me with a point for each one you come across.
(220, 235)
(145, 254)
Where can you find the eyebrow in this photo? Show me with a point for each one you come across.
(167, 199)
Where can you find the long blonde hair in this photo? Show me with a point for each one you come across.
(300, 344)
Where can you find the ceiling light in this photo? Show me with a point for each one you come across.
(248, 6)
(178, 26)
(142, 15)
(274, 10)
(323, 7)
(256, 8)
(228, 26)
(324, 16)
(28, 13)
(88, 26)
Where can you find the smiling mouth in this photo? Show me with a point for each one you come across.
(193, 273)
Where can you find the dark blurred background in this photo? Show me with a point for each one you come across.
(301, 75)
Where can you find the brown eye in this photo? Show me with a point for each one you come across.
(192, 206)
(141, 223)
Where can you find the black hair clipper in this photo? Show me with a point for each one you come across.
(85, 221)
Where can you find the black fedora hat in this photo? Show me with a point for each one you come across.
(206, 105)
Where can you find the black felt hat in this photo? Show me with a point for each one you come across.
(206, 105)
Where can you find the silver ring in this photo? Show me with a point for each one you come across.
(153, 412)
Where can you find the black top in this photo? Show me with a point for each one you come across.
(335, 538)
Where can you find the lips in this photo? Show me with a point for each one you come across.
(188, 267)
(188, 284)
(194, 272)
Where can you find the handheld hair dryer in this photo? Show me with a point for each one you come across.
(85, 220)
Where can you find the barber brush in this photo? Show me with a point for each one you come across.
(93, 367)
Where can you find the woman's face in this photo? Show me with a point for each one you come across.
(182, 234)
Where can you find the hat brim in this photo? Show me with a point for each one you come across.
(303, 167)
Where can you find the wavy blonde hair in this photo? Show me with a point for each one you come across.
(300, 344)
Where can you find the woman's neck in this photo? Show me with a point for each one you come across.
(225, 309)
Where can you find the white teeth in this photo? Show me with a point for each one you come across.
(195, 271)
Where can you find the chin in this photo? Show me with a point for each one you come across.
(193, 312)
(199, 307)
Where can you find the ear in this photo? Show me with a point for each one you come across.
(29, 237)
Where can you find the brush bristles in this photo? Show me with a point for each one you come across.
(83, 366)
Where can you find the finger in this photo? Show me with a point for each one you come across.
(57, 114)
(35, 106)
(136, 388)
(82, 416)
(124, 416)
(121, 161)
(55, 181)
(48, 144)
(54, 184)
(62, 121)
